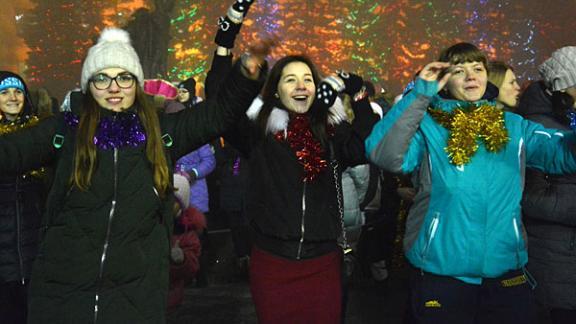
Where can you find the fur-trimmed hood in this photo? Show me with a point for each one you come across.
(278, 120)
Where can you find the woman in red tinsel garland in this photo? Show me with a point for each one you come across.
(291, 138)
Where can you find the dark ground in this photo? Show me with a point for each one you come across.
(227, 300)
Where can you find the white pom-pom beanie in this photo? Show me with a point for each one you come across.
(182, 192)
(113, 50)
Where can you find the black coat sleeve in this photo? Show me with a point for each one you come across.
(192, 128)
(29, 148)
(349, 138)
(220, 68)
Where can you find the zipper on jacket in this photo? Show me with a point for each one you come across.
(431, 234)
(19, 233)
(517, 234)
(573, 240)
(107, 239)
(302, 228)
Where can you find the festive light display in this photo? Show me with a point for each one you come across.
(58, 34)
(385, 41)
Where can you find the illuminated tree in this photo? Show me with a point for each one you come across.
(58, 34)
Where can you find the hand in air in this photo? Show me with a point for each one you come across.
(435, 70)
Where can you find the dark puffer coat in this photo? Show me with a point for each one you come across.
(549, 208)
(22, 198)
(104, 255)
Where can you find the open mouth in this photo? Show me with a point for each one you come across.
(300, 98)
(114, 100)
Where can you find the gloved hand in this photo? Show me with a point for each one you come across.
(353, 83)
(229, 25)
(176, 253)
(327, 90)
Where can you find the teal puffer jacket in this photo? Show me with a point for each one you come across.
(466, 220)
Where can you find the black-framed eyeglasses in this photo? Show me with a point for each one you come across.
(102, 81)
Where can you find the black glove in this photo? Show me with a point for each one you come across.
(352, 82)
(327, 90)
(229, 26)
(227, 31)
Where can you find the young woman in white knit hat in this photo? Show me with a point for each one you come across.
(105, 249)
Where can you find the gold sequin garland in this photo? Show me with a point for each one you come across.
(15, 126)
(467, 125)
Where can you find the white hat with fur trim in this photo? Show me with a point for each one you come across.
(113, 50)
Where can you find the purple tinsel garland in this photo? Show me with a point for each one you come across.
(117, 131)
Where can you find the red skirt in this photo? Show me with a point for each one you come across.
(296, 291)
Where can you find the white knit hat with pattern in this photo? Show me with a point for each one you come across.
(559, 71)
(113, 50)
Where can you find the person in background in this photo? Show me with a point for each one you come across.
(502, 76)
(22, 198)
(187, 93)
(464, 234)
(186, 248)
(548, 203)
(45, 104)
(196, 166)
(374, 102)
(106, 244)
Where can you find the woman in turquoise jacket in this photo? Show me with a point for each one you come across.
(464, 232)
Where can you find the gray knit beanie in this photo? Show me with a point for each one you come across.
(113, 50)
(559, 71)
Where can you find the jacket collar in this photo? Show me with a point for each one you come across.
(278, 120)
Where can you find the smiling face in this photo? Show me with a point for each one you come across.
(114, 97)
(183, 95)
(468, 81)
(296, 87)
(11, 102)
(509, 90)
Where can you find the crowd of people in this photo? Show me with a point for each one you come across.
(104, 203)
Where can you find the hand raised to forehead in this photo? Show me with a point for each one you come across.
(432, 71)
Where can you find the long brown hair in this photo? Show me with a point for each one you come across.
(85, 153)
(318, 117)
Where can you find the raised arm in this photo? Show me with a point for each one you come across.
(228, 29)
(395, 143)
(349, 138)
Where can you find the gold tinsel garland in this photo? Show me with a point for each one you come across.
(467, 125)
(15, 126)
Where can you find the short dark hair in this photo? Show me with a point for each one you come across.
(463, 53)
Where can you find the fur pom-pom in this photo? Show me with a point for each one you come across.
(114, 35)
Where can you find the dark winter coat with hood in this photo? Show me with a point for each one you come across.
(105, 251)
(22, 197)
(292, 218)
(549, 208)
